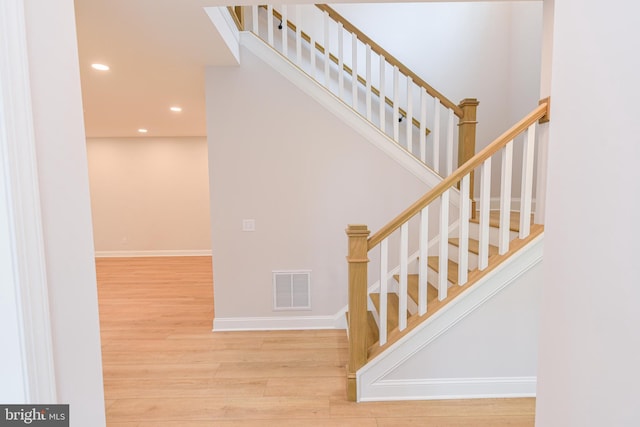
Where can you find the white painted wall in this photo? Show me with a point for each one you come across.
(500, 339)
(66, 215)
(589, 342)
(149, 196)
(279, 157)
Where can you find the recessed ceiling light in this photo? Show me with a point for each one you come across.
(100, 67)
(176, 109)
(142, 130)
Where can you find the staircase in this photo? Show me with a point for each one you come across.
(433, 264)
(438, 264)
(447, 242)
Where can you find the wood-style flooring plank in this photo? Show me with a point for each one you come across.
(215, 408)
(481, 421)
(307, 386)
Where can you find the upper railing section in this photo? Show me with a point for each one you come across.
(370, 80)
(390, 58)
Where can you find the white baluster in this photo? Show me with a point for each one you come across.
(340, 61)
(327, 60)
(449, 163)
(254, 20)
(396, 104)
(402, 290)
(423, 125)
(354, 71)
(409, 117)
(368, 77)
(298, 35)
(505, 198)
(443, 252)
(435, 132)
(463, 232)
(382, 316)
(270, 25)
(383, 100)
(485, 199)
(312, 52)
(422, 260)
(526, 192)
(285, 39)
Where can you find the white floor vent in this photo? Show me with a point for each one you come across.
(292, 290)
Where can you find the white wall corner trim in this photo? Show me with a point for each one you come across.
(19, 169)
(226, 27)
(342, 111)
(337, 321)
(453, 388)
(372, 377)
(155, 253)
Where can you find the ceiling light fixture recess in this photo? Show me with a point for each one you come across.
(176, 109)
(100, 67)
(142, 130)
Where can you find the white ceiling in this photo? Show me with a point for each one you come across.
(157, 51)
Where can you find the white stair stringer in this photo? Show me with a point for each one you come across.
(342, 111)
(513, 288)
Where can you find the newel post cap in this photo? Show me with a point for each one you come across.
(469, 102)
(357, 230)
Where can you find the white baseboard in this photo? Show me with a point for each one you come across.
(279, 323)
(141, 254)
(451, 388)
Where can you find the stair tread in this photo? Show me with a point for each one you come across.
(494, 220)
(413, 290)
(393, 302)
(474, 246)
(452, 271)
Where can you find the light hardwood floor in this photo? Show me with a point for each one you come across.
(164, 367)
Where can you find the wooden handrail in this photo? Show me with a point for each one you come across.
(540, 112)
(390, 58)
(237, 14)
(348, 70)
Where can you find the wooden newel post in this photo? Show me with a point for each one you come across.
(467, 140)
(358, 261)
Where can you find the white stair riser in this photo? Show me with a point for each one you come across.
(454, 256)
(432, 277)
(474, 233)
